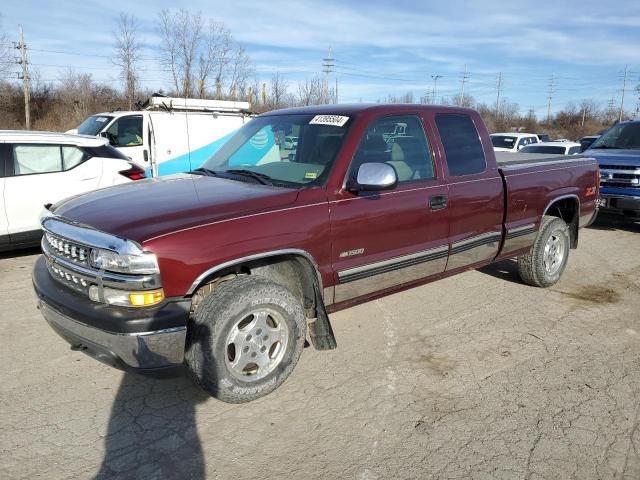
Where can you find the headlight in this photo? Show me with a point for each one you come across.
(114, 262)
(123, 298)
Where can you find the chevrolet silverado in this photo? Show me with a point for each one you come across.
(230, 268)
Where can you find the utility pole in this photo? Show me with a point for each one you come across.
(435, 86)
(624, 88)
(25, 78)
(551, 91)
(327, 68)
(463, 80)
(499, 88)
(336, 96)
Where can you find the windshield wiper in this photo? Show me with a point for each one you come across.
(606, 146)
(260, 177)
(204, 171)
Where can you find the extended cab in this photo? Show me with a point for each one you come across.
(618, 153)
(229, 268)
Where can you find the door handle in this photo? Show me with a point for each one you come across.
(438, 202)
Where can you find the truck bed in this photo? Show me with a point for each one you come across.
(507, 159)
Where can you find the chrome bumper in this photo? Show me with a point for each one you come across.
(140, 351)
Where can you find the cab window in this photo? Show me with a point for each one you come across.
(461, 143)
(399, 141)
(126, 131)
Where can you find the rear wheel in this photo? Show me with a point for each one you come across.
(544, 264)
(245, 338)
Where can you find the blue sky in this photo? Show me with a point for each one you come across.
(380, 47)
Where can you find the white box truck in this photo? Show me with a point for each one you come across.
(170, 134)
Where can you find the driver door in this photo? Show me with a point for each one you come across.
(385, 239)
(127, 134)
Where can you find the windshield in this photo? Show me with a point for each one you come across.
(623, 135)
(93, 125)
(287, 150)
(543, 149)
(502, 141)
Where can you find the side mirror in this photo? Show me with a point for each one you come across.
(374, 177)
(108, 137)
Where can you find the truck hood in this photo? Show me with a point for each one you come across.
(629, 158)
(145, 209)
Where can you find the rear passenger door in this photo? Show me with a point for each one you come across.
(476, 204)
(382, 240)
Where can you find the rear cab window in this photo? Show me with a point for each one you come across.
(461, 143)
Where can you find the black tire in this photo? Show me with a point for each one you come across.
(531, 266)
(228, 306)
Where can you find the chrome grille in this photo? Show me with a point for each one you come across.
(622, 176)
(63, 248)
(70, 278)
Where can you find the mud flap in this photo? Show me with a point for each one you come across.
(320, 331)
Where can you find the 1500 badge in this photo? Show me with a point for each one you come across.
(351, 253)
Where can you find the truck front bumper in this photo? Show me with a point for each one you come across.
(628, 205)
(133, 345)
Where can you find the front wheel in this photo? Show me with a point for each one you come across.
(547, 259)
(245, 338)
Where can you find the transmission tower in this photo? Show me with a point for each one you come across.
(499, 90)
(552, 89)
(463, 80)
(327, 68)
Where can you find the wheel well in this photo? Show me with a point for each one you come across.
(294, 272)
(567, 209)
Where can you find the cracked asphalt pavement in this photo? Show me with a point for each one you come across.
(475, 376)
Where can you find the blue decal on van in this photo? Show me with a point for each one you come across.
(255, 149)
(251, 153)
(188, 162)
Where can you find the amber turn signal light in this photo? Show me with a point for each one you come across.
(146, 299)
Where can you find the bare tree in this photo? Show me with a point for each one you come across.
(463, 101)
(239, 71)
(78, 91)
(197, 57)
(279, 91)
(311, 92)
(215, 57)
(6, 58)
(127, 54)
(181, 36)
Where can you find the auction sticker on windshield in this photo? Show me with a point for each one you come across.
(335, 120)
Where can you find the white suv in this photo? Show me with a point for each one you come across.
(42, 168)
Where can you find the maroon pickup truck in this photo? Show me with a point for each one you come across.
(228, 269)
